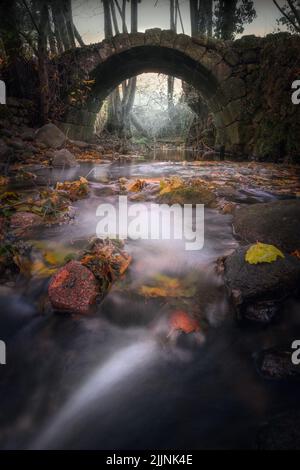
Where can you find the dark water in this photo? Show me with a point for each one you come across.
(110, 380)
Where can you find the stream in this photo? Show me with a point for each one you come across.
(110, 380)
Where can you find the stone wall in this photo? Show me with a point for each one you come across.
(266, 122)
(246, 83)
(18, 112)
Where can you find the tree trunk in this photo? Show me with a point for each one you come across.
(60, 24)
(108, 31)
(78, 36)
(209, 17)
(57, 28)
(114, 17)
(227, 9)
(194, 17)
(50, 34)
(42, 63)
(119, 109)
(68, 17)
(134, 16)
(173, 27)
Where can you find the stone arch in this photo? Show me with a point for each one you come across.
(205, 63)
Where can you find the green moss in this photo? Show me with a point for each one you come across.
(189, 195)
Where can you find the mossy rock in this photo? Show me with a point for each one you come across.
(190, 195)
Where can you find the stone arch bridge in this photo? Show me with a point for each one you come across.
(228, 75)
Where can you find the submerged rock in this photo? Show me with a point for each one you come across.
(277, 364)
(282, 432)
(50, 135)
(73, 289)
(63, 158)
(277, 223)
(258, 289)
(23, 220)
(189, 195)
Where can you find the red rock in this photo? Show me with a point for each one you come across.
(24, 220)
(73, 288)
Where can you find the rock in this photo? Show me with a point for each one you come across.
(6, 133)
(49, 154)
(276, 223)
(227, 192)
(189, 195)
(228, 208)
(28, 134)
(73, 289)
(209, 155)
(23, 220)
(51, 136)
(281, 432)
(258, 289)
(277, 364)
(16, 144)
(262, 312)
(80, 144)
(5, 151)
(31, 148)
(63, 158)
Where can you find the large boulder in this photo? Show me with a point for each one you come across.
(50, 135)
(63, 159)
(277, 223)
(73, 289)
(258, 289)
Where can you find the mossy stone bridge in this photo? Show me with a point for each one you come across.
(228, 75)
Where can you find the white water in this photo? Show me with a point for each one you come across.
(120, 366)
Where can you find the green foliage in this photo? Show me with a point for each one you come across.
(231, 16)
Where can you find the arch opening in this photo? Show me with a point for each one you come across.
(107, 67)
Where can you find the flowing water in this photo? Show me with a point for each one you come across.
(111, 380)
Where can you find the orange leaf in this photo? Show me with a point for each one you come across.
(296, 253)
(181, 320)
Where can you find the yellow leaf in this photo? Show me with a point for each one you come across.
(167, 287)
(166, 186)
(88, 82)
(262, 253)
(38, 268)
(136, 186)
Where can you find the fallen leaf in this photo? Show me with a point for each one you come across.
(168, 185)
(262, 253)
(166, 286)
(180, 320)
(296, 253)
(136, 186)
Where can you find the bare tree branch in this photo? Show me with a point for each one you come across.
(289, 19)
